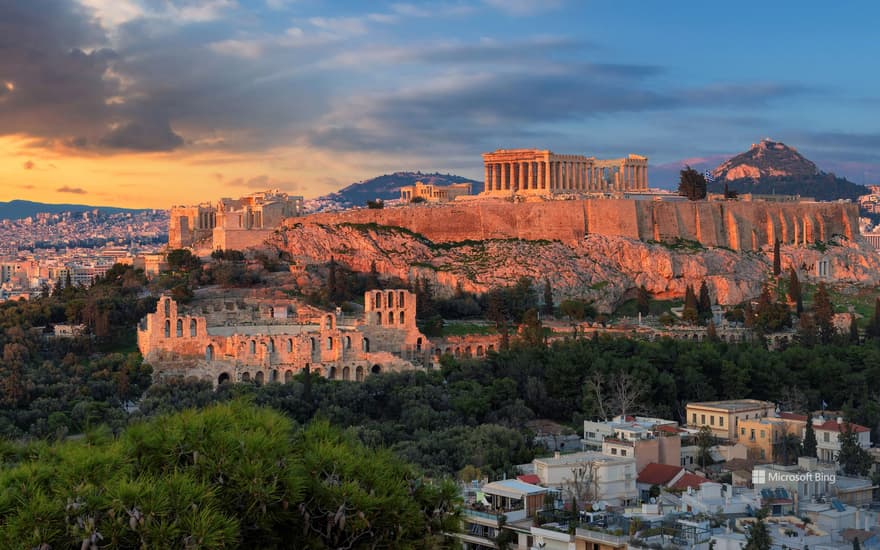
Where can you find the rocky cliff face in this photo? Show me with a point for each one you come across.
(766, 159)
(598, 267)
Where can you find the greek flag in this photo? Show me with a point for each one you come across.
(824, 405)
(709, 177)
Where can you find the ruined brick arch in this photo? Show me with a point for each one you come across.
(271, 347)
(376, 369)
(179, 328)
(193, 327)
(329, 322)
(446, 351)
(245, 377)
(366, 345)
(359, 374)
(273, 375)
(401, 299)
(331, 373)
(390, 299)
(252, 347)
(377, 300)
(348, 342)
(458, 352)
(209, 353)
(491, 348)
(329, 343)
(223, 378)
(479, 351)
(313, 344)
(259, 377)
(346, 373)
(290, 345)
(419, 344)
(378, 317)
(288, 376)
(401, 321)
(167, 307)
(467, 351)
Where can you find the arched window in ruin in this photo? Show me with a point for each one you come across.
(271, 345)
(479, 351)
(491, 347)
(329, 343)
(359, 374)
(378, 317)
(223, 378)
(390, 299)
(179, 328)
(348, 342)
(288, 376)
(273, 375)
(401, 317)
(329, 319)
(167, 308)
(289, 345)
(401, 301)
(366, 345)
(209, 353)
(467, 351)
(271, 312)
(331, 373)
(376, 369)
(193, 327)
(458, 352)
(259, 378)
(246, 377)
(377, 300)
(346, 373)
(167, 328)
(252, 347)
(313, 344)
(419, 344)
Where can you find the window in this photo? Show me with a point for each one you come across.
(703, 419)
(763, 434)
(712, 419)
(721, 421)
(743, 432)
(825, 437)
(752, 435)
(623, 452)
(694, 418)
(329, 343)
(613, 451)
(401, 318)
(192, 328)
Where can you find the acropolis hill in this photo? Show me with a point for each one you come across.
(732, 224)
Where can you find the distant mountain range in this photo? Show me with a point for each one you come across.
(771, 167)
(385, 187)
(17, 209)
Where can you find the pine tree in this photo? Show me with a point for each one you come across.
(548, 298)
(794, 290)
(777, 261)
(759, 535)
(823, 312)
(808, 447)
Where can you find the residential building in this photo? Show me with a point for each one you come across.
(765, 436)
(828, 437)
(723, 417)
(508, 504)
(594, 475)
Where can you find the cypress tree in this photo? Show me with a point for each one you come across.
(823, 312)
(759, 535)
(690, 312)
(794, 290)
(777, 261)
(808, 447)
(704, 306)
(548, 298)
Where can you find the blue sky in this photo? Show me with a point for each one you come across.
(310, 95)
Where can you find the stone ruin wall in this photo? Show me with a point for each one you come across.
(737, 225)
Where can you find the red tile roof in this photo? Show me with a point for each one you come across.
(529, 478)
(658, 474)
(833, 426)
(667, 428)
(689, 480)
(793, 416)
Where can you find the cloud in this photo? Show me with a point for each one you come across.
(142, 136)
(72, 190)
(263, 182)
(524, 7)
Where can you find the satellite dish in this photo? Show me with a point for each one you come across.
(653, 500)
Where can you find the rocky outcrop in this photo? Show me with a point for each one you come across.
(599, 267)
(766, 159)
(733, 224)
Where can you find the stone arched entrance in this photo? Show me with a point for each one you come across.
(223, 378)
(376, 369)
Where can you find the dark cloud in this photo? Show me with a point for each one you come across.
(142, 136)
(73, 190)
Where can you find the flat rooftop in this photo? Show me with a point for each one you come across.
(732, 405)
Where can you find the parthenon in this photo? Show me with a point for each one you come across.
(543, 172)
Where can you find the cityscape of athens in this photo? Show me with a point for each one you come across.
(452, 275)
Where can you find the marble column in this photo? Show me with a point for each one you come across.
(548, 180)
(496, 176)
(487, 182)
(505, 176)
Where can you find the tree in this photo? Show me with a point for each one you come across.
(853, 330)
(548, 299)
(759, 536)
(808, 448)
(856, 544)
(777, 261)
(823, 313)
(705, 441)
(376, 204)
(794, 290)
(873, 328)
(690, 313)
(692, 184)
(182, 259)
(643, 300)
(853, 459)
(373, 277)
(704, 305)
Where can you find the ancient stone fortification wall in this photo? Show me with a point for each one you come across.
(733, 224)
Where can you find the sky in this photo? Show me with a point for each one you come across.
(149, 103)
